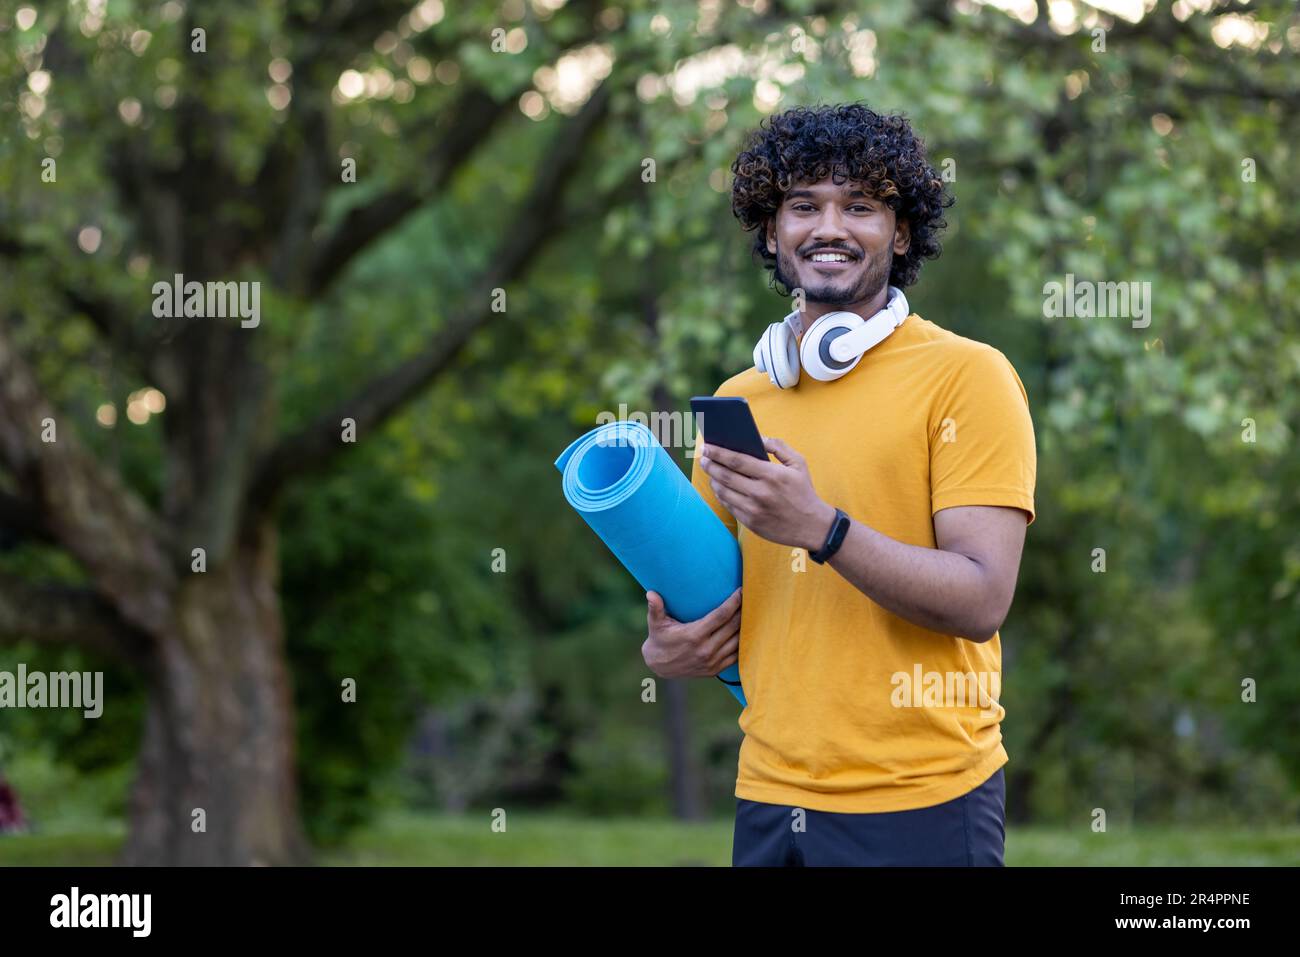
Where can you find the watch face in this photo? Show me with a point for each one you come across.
(838, 531)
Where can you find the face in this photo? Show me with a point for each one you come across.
(822, 216)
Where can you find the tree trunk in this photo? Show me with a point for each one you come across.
(219, 731)
(682, 774)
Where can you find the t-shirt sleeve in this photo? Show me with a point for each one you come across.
(982, 437)
(700, 479)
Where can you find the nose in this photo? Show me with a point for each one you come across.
(829, 229)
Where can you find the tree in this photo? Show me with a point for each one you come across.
(200, 178)
(219, 735)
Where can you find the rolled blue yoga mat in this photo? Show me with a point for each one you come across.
(628, 489)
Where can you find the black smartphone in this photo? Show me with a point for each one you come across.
(726, 422)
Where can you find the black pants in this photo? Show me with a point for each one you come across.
(968, 831)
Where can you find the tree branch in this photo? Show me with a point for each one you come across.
(296, 169)
(56, 614)
(85, 507)
(471, 120)
(473, 117)
(381, 397)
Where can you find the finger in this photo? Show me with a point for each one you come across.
(719, 629)
(728, 646)
(730, 631)
(783, 452)
(726, 660)
(736, 461)
(736, 481)
(724, 611)
(735, 503)
(734, 495)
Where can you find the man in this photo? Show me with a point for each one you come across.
(872, 732)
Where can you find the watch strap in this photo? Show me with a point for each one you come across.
(834, 538)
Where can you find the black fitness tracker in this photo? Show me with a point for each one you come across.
(834, 538)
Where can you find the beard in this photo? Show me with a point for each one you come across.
(842, 290)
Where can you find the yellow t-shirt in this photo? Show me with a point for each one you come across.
(927, 420)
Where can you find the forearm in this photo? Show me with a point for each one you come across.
(939, 590)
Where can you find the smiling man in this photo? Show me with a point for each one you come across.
(883, 543)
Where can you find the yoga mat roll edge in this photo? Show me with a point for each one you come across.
(627, 488)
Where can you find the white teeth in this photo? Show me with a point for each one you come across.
(830, 258)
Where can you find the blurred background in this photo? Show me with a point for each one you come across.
(478, 226)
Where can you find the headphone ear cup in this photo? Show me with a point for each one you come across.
(814, 350)
(777, 354)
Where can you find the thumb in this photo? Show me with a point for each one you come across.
(784, 454)
(655, 606)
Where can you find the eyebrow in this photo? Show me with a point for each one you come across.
(809, 194)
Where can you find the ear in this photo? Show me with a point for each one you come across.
(771, 235)
(902, 237)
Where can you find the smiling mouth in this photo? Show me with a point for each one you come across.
(824, 263)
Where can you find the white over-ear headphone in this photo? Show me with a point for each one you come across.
(831, 347)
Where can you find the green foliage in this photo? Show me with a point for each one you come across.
(380, 588)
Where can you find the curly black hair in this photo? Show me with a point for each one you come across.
(879, 151)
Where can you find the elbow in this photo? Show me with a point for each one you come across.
(985, 628)
(995, 608)
(990, 605)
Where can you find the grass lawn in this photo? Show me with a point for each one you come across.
(402, 839)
